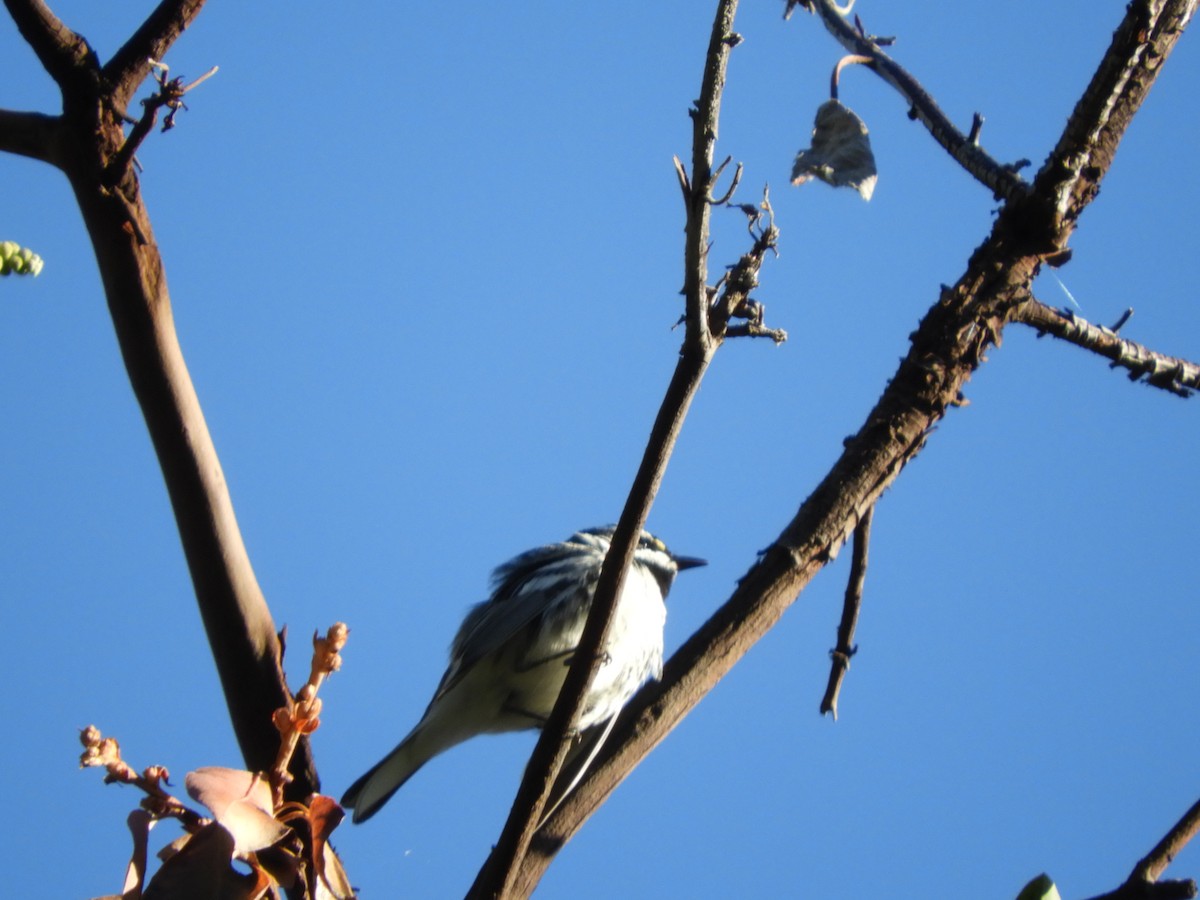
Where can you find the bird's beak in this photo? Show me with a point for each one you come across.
(688, 562)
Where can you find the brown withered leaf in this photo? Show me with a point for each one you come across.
(201, 871)
(840, 154)
(241, 802)
(331, 881)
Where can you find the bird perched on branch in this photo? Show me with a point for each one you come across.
(511, 654)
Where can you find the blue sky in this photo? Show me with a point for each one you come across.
(424, 265)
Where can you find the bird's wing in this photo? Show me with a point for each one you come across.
(525, 589)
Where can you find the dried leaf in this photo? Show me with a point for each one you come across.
(840, 154)
(140, 822)
(201, 871)
(330, 881)
(241, 802)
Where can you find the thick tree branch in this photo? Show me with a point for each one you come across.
(1157, 369)
(1070, 178)
(87, 137)
(240, 629)
(65, 55)
(1001, 179)
(130, 65)
(30, 134)
(946, 349)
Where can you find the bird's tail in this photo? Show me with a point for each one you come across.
(383, 779)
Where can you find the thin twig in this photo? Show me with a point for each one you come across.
(850, 608)
(301, 717)
(733, 185)
(976, 128)
(854, 59)
(734, 299)
(683, 178)
(503, 874)
(1120, 323)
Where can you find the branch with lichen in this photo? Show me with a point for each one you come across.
(1169, 373)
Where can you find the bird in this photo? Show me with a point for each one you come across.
(510, 656)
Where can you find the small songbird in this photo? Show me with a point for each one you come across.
(511, 654)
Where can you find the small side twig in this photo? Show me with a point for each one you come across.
(302, 716)
(976, 128)
(169, 94)
(1169, 373)
(734, 301)
(1120, 323)
(853, 59)
(105, 752)
(683, 178)
(733, 185)
(853, 602)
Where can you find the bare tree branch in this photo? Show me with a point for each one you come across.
(30, 134)
(946, 349)
(1071, 176)
(850, 607)
(1154, 863)
(129, 66)
(1001, 179)
(65, 55)
(699, 199)
(1169, 373)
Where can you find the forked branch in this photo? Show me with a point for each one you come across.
(84, 141)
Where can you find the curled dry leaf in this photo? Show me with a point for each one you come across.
(840, 154)
(241, 802)
(201, 871)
